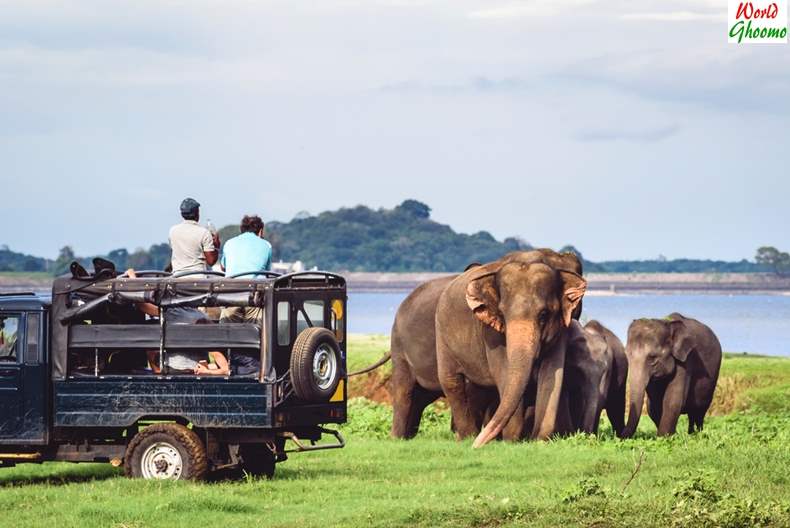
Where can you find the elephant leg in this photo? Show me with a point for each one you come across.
(615, 408)
(699, 421)
(655, 402)
(421, 398)
(403, 386)
(547, 398)
(696, 418)
(565, 417)
(514, 430)
(491, 409)
(453, 384)
(592, 411)
(674, 398)
(529, 419)
(481, 401)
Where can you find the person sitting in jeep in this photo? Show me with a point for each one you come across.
(184, 361)
(246, 253)
(8, 331)
(195, 362)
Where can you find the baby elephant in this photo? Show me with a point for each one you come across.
(595, 374)
(676, 361)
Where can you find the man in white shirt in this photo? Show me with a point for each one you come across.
(194, 248)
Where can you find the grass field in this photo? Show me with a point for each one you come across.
(37, 275)
(734, 473)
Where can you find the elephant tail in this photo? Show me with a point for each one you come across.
(374, 366)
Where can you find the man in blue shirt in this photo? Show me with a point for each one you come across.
(245, 253)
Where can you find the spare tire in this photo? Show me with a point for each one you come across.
(315, 365)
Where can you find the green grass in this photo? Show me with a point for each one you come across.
(366, 349)
(734, 473)
(26, 275)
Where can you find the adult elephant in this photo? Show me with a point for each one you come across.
(415, 381)
(499, 323)
(595, 374)
(676, 362)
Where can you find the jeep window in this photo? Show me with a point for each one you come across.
(9, 327)
(311, 313)
(283, 324)
(32, 349)
(336, 314)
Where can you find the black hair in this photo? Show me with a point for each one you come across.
(251, 224)
(191, 215)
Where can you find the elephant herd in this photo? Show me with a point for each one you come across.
(502, 342)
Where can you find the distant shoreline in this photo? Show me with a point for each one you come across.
(599, 284)
(602, 284)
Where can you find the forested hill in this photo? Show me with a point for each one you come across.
(403, 238)
(362, 239)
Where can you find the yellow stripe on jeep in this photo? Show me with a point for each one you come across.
(338, 395)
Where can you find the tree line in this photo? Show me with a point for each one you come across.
(403, 238)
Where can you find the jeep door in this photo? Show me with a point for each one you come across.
(23, 380)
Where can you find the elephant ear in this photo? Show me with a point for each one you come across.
(574, 286)
(482, 296)
(682, 344)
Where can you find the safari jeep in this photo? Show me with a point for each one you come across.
(85, 374)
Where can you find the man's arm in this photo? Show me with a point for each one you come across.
(211, 247)
(145, 307)
(223, 368)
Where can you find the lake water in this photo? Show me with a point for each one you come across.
(759, 324)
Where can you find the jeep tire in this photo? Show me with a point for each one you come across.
(166, 451)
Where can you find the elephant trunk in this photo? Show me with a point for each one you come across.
(523, 343)
(636, 392)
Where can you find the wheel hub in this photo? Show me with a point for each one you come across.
(161, 461)
(324, 367)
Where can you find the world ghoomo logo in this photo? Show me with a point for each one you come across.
(757, 22)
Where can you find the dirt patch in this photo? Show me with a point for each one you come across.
(374, 386)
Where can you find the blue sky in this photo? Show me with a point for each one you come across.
(629, 129)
